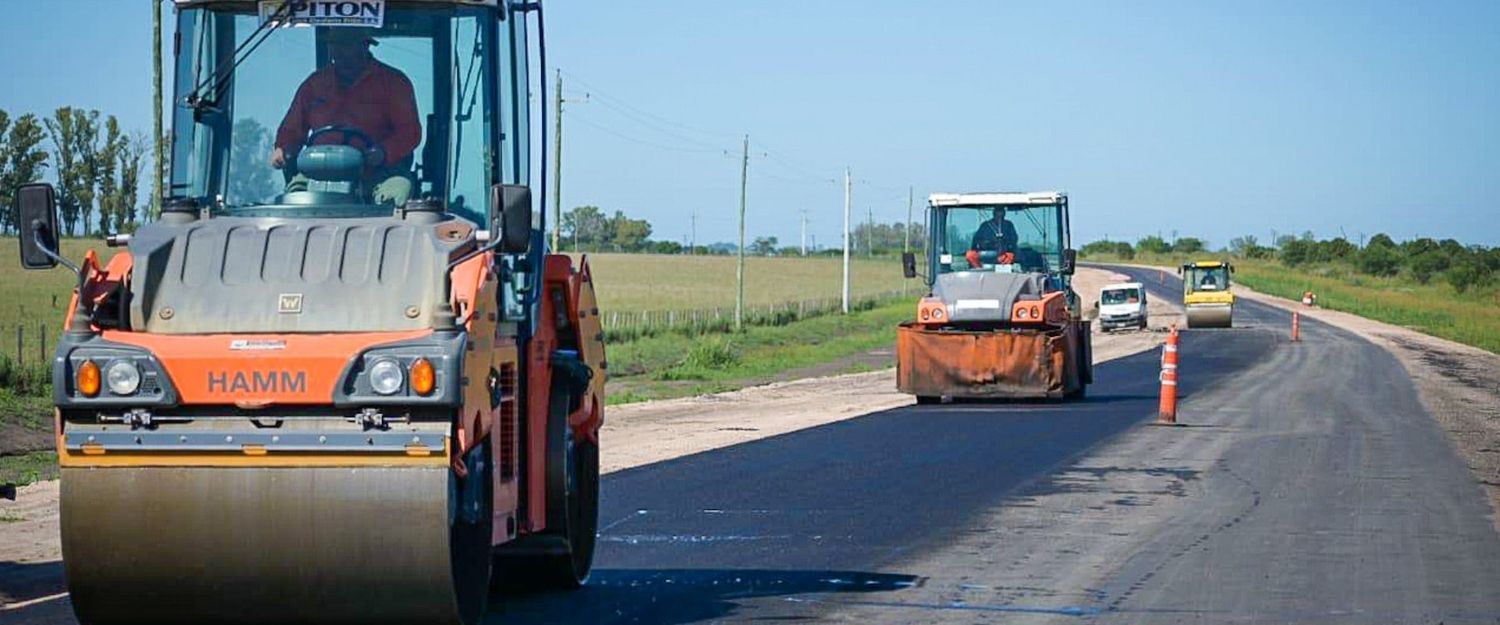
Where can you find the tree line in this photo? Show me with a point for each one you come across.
(591, 229)
(1421, 259)
(94, 164)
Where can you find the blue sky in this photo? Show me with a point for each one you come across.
(1213, 119)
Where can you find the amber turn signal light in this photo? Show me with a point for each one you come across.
(423, 378)
(88, 379)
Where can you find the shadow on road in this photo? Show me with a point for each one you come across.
(670, 596)
(20, 581)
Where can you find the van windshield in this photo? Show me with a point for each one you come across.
(1120, 296)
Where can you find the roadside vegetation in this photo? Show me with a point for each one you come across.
(1442, 288)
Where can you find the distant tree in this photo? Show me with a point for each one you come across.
(1381, 240)
(586, 227)
(628, 235)
(1153, 245)
(666, 247)
(103, 164)
(1419, 246)
(1468, 273)
(1242, 246)
(1335, 249)
(1108, 248)
(1189, 245)
(251, 179)
(763, 246)
(1426, 264)
(1296, 252)
(74, 133)
(131, 156)
(21, 160)
(1379, 260)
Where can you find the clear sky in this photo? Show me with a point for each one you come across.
(1213, 119)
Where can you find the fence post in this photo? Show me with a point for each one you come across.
(41, 348)
(20, 338)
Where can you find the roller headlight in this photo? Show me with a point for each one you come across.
(386, 377)
(123, 377)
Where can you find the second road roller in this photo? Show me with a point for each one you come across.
(1001, 319)
(340, 379)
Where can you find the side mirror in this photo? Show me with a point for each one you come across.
(1069, 261)
(909, 264)
(36, 217)
(510, 217)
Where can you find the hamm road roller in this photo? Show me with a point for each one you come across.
(1001, 319)
(339, 379)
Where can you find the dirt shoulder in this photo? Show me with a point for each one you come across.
(634, 434)
(1459, 385)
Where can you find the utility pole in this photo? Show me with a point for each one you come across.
(804, 232)
(869, 232)
(848, 190)
(693, 245)
(161, 161)
(739, 299)
(557, 166)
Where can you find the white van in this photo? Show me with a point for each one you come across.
(1122, 305)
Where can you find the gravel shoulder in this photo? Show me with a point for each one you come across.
(634, 434)
(1458, 384)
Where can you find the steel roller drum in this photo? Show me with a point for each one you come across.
(1210, 315)
(284, 545)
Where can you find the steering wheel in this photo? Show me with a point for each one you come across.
(346, 132)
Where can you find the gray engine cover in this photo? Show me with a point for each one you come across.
(985, 295)
(263, 275)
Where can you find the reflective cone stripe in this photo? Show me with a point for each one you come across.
(1296, 327)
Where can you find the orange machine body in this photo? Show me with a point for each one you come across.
(292, 371)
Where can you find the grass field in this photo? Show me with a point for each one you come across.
(1437, 309)
(635, 282)
(33, 299)
(673, 365)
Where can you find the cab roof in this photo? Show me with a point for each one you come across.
(1207, 264)
(1123, 285)
(997, 197)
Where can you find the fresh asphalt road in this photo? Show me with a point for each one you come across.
(1309, 486)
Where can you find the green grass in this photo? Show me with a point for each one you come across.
(637, 282)
(34, 300)
(673, 365)
(23, 469)
(1436, 308)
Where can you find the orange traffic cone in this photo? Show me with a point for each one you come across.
(1167, 412)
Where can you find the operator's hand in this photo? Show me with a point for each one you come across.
(1007, 259)
(278, 158)
(973, 257)
(374, 157)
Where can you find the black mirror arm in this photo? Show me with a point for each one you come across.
(81, 320)
(494, 243)
(36, 234)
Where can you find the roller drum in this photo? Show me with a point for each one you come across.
(285, 545)
(1210, 316)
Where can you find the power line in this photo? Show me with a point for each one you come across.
(607, 130)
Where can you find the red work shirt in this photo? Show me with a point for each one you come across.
(381, 102)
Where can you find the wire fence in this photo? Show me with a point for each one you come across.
(631, 325)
